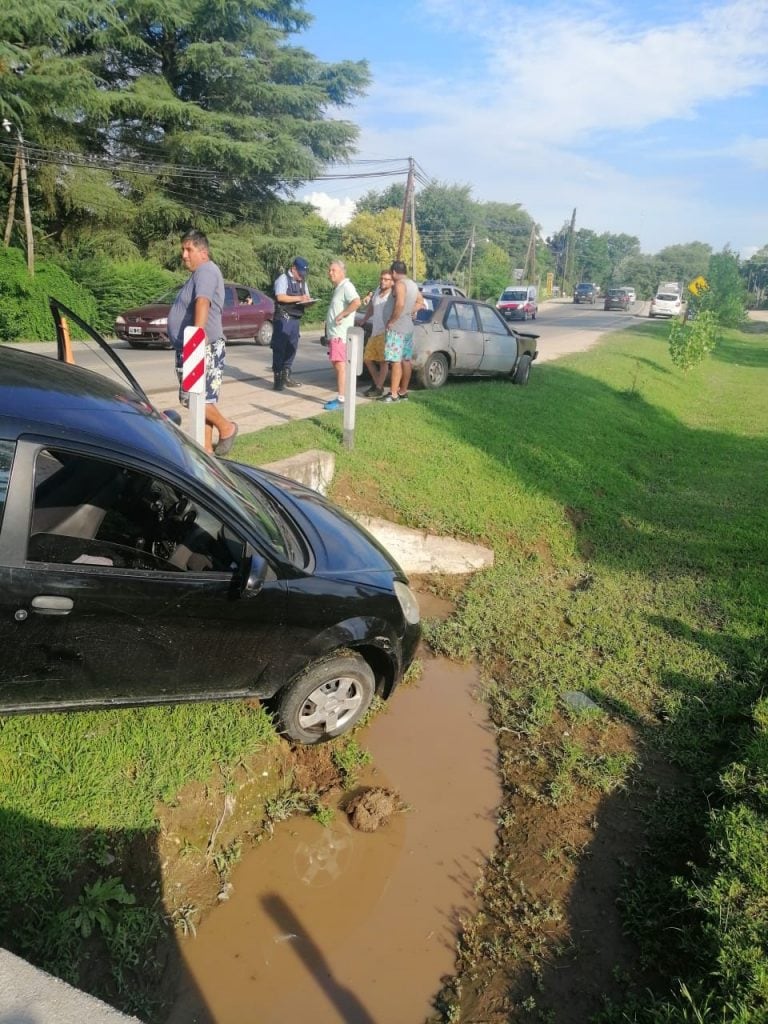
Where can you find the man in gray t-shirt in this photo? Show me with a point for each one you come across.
(199, 304)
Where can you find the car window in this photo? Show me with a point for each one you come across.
(6, 458)
(244, 297)
(230, 297)
(514, 296)
(461, 317)
(167, 298)
(91, 511)
(491, 322)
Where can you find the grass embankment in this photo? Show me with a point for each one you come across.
(626, 503)
(626, 506)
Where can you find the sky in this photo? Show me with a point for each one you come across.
(648, 118)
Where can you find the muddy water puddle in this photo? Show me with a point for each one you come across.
(334, 925)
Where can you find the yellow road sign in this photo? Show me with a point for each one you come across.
(698, 285)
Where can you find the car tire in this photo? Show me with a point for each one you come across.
(264, 333)
(434, 372)
(326, 700)
(522, 370)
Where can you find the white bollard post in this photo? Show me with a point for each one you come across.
(354, 369)
(193, 379)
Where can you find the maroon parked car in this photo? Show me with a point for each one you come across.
(248, 313)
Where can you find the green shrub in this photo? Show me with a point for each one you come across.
(120, 285)
(24, 310)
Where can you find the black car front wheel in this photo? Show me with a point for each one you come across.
(327, 700)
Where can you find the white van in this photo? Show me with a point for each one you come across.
(518, 302)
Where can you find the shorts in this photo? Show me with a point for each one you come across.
(374, 349)
(337, 350)
(215, 352)
(398, 347)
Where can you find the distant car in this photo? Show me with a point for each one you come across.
(617, 298)
(585, 292)
(137, 569)
(518, 303)
(248, 313)
(665, 303)
(440, 288)
(463, 338)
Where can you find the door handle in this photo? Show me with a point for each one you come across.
(50, 604)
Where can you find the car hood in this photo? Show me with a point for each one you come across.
(341, 547)
(152, 311)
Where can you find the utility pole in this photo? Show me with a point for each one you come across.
(413, 232)
(530, 258)
(406, 204)
(471, 253)
(12, 201)
(569, 254)
(25, 204)
(20, 177)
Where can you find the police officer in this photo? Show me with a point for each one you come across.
(291, 298)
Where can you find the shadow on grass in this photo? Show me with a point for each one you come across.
(643, 490)
(743, 353)
(76, 928)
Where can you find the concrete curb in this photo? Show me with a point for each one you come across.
(415, 551)
(30, 996)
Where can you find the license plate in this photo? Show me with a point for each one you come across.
(134, 330)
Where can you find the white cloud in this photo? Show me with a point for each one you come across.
(518, 124)
(336, 211)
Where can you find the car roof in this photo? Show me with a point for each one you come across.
(41, 396)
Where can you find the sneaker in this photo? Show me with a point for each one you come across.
(333, 405)
(390, 399)
(403, 396)
(374, 392)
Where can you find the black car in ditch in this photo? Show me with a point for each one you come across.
(137, 569)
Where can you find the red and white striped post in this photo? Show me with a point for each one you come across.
(193, 379)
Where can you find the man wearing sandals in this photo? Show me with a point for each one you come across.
(398, 336)
(199, 304)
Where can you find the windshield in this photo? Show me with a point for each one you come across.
(167, 298)
(514, 295)
(247, 499)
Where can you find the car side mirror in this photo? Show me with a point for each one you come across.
(253, 572)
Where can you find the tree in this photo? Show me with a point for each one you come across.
(754, 271)
(374, 202)
(725, 295)
(682, 262)
(491, 272)
(373, 238)
(445, 215)
(176, 111)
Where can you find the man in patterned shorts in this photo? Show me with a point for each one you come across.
(398, 334)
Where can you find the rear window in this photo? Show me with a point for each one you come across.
(668, 297)
(516, 295)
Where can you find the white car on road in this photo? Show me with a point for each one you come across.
(666, 304)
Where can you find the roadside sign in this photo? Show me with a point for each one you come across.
(193, 378)
(519, 274)
(698, 285)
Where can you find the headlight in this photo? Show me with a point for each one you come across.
(160, 322)
(408, 603)
(120, 320)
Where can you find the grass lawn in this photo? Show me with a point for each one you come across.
(626, 505)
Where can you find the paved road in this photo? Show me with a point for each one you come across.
(563, 327)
